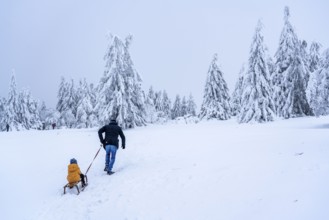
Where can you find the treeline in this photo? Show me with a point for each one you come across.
(293, 83)
(83, 105)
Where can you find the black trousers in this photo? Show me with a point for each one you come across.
(82, 177)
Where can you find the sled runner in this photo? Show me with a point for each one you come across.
(76, 185)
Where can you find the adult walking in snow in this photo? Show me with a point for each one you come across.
(7, 127)
(111, 143)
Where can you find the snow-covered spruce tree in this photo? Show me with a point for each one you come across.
(93, 95)
(2, 114)
(66, 105)
(159, 106)
(191, 106)
(11, 114)
(314, 56)
(119, 92)
(43, 112)
(166, 105)
(319, 87)
(69, 116)
(85, 116)
(46, 115)
(184, 106)
(237, 93)
(154, 106)
(151, 114)
(151, 95)
(92, 120)
(216, 100)
(20, 111)
(256, 101)
(290, 78)
(158, 101)
(62, 91)
(83, 104)
(28, 111)
(176, 110)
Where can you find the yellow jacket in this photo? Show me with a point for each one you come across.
(73, 173)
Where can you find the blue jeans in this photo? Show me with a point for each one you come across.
(111, 151)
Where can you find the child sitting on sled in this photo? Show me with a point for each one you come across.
(74, 174)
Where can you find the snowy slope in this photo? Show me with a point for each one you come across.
(209, 170)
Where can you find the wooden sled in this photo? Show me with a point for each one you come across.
(76, 185)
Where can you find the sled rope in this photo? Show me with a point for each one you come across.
(93, 160)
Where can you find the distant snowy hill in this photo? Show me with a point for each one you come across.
(206, 170)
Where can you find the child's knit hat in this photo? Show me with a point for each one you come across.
(73, 160)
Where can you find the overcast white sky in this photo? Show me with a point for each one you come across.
(173, 44)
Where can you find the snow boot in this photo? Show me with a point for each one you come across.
(110, 172)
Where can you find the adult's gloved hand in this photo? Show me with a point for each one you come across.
(103, 143)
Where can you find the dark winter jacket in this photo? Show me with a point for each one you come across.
(112, 131)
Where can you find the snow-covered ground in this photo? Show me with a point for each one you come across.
(210, 170)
